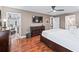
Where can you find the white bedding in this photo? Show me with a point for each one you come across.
(66, 38)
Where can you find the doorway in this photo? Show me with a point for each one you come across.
(14, 22)
(54, 21)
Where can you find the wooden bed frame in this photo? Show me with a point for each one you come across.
(54, 46)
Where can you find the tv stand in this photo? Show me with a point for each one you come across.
(36, 30)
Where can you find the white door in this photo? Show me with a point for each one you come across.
(55, 22)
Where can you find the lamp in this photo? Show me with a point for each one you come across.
(4, 24)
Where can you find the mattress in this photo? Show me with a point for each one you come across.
(65, 38)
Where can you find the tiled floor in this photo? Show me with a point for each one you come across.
(29, 45)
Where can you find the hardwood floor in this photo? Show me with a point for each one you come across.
(29, 45)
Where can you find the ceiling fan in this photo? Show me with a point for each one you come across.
(54, 10)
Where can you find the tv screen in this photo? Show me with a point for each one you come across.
(37, 19)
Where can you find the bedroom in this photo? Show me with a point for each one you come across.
(28, 32)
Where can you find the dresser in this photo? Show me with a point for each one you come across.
(36, 30)
(4, 41)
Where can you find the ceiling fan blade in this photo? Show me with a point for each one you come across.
(60, 10)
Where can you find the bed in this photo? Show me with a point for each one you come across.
(61, 40)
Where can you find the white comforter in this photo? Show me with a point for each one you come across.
(66, 38)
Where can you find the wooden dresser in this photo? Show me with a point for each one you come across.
(4, 41)
(36, 30)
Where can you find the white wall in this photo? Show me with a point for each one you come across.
(26, 18)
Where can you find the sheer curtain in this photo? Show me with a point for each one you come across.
(70, 22)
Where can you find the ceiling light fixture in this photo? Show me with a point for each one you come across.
(54, 10)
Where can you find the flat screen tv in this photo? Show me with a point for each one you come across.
(37, 19)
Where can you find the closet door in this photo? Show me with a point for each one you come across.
(56, 22)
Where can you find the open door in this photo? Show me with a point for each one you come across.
(56, 22)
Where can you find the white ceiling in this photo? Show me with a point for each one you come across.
(47, 9)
